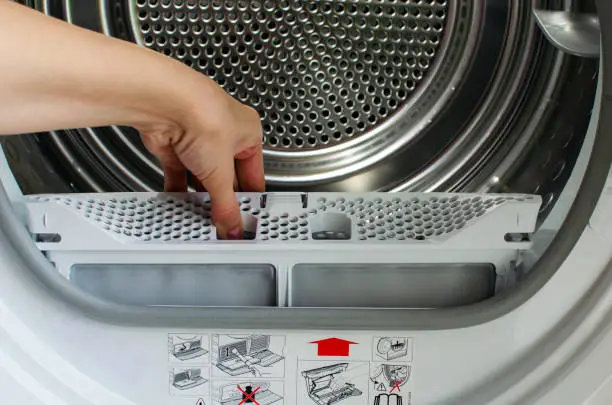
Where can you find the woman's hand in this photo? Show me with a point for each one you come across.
(221, 147)
(57, 76)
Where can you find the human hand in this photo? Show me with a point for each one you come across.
(184, 117)
(220, 144)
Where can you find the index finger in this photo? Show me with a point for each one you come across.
(225, 207)
(250, 170)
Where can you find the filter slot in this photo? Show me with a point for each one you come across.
(179, 284)
(391, 285)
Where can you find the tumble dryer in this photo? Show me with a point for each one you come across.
(437, 227)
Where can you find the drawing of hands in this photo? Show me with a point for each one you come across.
(248, 362)
(255, 371)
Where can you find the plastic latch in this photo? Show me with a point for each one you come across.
(284, 202)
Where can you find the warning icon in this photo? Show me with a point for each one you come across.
(200, 402)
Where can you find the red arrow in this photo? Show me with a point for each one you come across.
(333, 347)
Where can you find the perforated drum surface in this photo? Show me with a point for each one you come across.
(319, 73)
(355, 95)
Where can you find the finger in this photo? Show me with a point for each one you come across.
(175, 179)
(199, 187)
(250, 171)
(236, 182)
(175, 173)
(225, 208)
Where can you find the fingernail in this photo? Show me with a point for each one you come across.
(234, 234)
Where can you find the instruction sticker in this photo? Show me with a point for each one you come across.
(233, 392)
(188, 349)
(333, 381)
(293, 369)
(192, 381)
(252, 356)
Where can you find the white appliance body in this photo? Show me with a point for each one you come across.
(553, 348)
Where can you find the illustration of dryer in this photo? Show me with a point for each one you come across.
(188, 349)
(325, 388)
(231, 395)
(188, 379)
(391, 348)
(241, 357)
(390, 376)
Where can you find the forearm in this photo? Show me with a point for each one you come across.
(55, 76)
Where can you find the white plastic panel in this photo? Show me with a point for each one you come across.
(144, 221)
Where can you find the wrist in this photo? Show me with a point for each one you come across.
(161, 101)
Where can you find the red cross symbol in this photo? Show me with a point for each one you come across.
(396, 384)
(248, 397)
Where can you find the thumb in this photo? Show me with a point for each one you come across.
(225, 208)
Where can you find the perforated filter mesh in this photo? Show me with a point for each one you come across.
(393, 218)
(146, 219)
(415, 218)
(319, 72)
(272, 227)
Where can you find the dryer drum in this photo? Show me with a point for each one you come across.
(407, 95)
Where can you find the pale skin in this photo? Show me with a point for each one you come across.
(54, 76)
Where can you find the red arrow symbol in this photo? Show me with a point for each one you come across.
(333, 347)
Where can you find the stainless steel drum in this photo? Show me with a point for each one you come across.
(462, 95)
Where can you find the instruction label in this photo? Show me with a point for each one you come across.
(264, 369)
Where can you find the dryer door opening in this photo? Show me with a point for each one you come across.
(464, 96)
